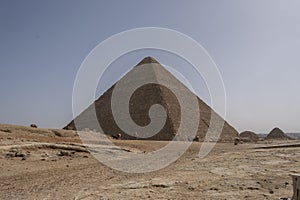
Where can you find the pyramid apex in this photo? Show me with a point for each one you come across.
(148, 60)
(276, 129)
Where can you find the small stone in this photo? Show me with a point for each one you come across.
(191, 188)
(9, 155)
(252, 188)
(17, 154)
(64, 153)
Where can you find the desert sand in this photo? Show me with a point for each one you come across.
(53, 164)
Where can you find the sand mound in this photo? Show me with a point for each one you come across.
(13, 134)
(248, 136)
(277, 134)
(15, 129)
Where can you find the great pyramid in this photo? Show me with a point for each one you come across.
(249, 136)
(140, 102)
(277, 134)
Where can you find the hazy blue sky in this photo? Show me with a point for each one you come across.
(255, 44)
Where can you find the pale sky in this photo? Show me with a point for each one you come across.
(255, 44)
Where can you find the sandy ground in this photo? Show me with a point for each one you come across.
(52, 164)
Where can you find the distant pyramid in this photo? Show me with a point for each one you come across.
(249, 136)
(277, 134)
(140, 102)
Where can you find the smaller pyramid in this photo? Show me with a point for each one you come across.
(249, 136)
(277, 134)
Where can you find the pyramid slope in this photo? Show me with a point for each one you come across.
(141, 101)
(277, 134)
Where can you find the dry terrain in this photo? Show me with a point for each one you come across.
(53, 164)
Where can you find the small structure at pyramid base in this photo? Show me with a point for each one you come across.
(248, 136)
(277, 134)
(140, 103)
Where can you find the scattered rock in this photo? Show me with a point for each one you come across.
(22, 155)
(236, 141)
(16, 154)
(10, 155)
(196, 139)
(33, 125)
(45, 155)
(286, 184)
(5, 130)
(191, 188)
(160, 185)
(252, 188)
(118, 136)
(66, 153)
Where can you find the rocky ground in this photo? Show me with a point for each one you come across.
(53, 164)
